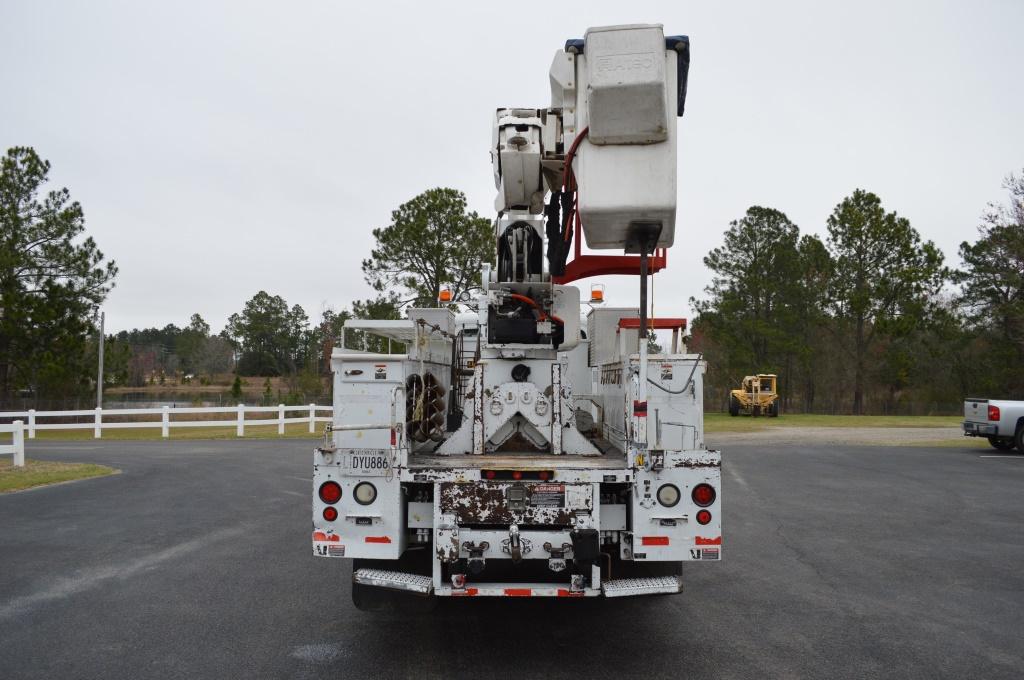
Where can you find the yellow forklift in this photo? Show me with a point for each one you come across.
(756, 396)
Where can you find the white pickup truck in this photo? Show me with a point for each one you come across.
(999, 420)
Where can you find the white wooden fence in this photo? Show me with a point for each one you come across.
(164, 421)
(17, 446)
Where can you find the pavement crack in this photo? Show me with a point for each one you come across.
(91, 578)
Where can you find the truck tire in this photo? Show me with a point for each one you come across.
(773, 409)
(734, 406)
(1001, 443)
(1018, 438)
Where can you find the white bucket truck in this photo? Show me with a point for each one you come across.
(524, 450)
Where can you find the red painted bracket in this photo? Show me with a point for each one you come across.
(585, 266)
(663, 323)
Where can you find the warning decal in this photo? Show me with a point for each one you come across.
(328, 549)
(666, 371)
(380, 371)
(548, 496)
(704, 553)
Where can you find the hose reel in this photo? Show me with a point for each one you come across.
(424, 408)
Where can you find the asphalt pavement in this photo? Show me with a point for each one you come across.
(195, 562)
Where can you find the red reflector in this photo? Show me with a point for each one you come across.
(993, 412)
(517, 475)
(378, 539)
(330, 514)
(519, 592)
(334, 538)
(330, 492)
(654, 540)
(319, 536)
(394, 437)
(542, 475)
(562, 592)
(707, 541)
(489, 474)
(703, 517)
(703, 495)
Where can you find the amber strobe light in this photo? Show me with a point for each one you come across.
(330, 492)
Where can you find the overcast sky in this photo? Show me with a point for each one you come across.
(219, 149)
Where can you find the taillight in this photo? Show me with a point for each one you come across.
(703, 495)
(330, 492)
(993, 412)
(330, 513)
(703, 517)
(518, 475)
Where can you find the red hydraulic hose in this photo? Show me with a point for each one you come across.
(569, 182)
(533, 303)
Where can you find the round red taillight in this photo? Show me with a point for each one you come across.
(489, 474)
(703, 495)
(703, 517)
(543, 475)
(330, 492)
(517, 475)
(330, 514)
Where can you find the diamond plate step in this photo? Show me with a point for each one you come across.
(396, 580)
(625, 587)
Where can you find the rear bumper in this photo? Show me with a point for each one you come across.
(422, 585)
(972, 429)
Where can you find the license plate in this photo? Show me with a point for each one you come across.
(368, 463)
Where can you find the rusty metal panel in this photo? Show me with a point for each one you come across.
(446, 539)
(543, 503)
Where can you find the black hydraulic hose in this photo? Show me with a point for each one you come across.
(556, 263)
(665, 389)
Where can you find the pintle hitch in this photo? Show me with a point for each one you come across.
(515, 545)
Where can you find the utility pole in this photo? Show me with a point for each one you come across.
(99, 372)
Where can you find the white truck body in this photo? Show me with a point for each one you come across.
(513, 453)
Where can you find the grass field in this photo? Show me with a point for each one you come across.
(40, 472)
(723, 422)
